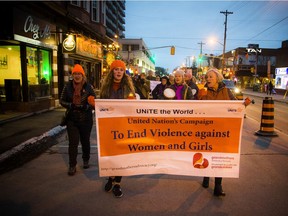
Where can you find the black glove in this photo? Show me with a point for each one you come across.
(72, 106)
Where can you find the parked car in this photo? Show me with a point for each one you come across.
(235, 90)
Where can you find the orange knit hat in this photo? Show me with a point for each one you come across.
(79, 69)
(118, 63)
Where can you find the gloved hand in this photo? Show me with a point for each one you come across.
(91, 100)
(247, 101)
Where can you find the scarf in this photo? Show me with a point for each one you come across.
(77, 93)
(178, 91)
(116, 86)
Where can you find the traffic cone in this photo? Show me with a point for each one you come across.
(267, 118)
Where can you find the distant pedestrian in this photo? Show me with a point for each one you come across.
(117, 85)
(142, 86)
(189, 81)
(171, 79)
(270, 88)
(158, 78)
(150, 75)
(158, 91)
(76, 98)
(216, 90)
(181, 91)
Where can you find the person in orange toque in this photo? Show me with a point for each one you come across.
(117, 85)
(77, 97)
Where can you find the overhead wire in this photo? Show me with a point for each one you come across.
(269, 27)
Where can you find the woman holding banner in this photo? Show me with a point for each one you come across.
(117, 85)
(215, 89)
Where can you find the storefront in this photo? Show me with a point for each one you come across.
(26, 73)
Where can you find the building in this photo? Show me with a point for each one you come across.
(136, 55)
(40, 41)
(254, 67)
(251, 66)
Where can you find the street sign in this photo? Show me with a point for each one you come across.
(252, 50)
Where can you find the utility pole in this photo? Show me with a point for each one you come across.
(226, 13)
(200, 59)
(201, 43)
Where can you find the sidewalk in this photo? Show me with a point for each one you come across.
(27, 134)
(277, 97)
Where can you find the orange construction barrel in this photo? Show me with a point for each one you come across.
(267, 118)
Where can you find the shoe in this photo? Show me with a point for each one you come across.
(218, 191)
(117, 190)
(86, 165)
(72, 170)
(109, 185)
(205, 182)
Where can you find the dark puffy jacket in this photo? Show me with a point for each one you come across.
(66, 99)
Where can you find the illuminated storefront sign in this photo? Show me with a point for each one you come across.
(30, 29)
(89, 48)
(281, 77)
(281, 71)
(69, 44)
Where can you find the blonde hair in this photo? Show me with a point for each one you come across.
(219, 76)
(180, 72)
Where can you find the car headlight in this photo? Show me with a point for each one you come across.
(237, 90)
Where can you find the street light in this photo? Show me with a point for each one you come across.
(223, 53)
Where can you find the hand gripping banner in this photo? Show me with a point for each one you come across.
(193, 138)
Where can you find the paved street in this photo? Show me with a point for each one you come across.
(42, 186)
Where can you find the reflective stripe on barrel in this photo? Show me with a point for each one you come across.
(240, 97)
(267, 118)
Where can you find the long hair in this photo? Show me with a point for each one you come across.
(105, 90)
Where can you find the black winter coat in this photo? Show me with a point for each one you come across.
(78, 115)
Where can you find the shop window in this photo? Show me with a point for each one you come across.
(39, 73)
(10, 74)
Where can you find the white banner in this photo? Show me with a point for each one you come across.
(195, 138)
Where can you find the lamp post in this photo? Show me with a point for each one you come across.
(223, 53)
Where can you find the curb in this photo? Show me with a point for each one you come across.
(261, 96)
(28, 150)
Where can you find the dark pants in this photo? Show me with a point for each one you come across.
(118, 179)
(218, 180)
(79, 131)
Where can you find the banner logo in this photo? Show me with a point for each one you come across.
(199, 162)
